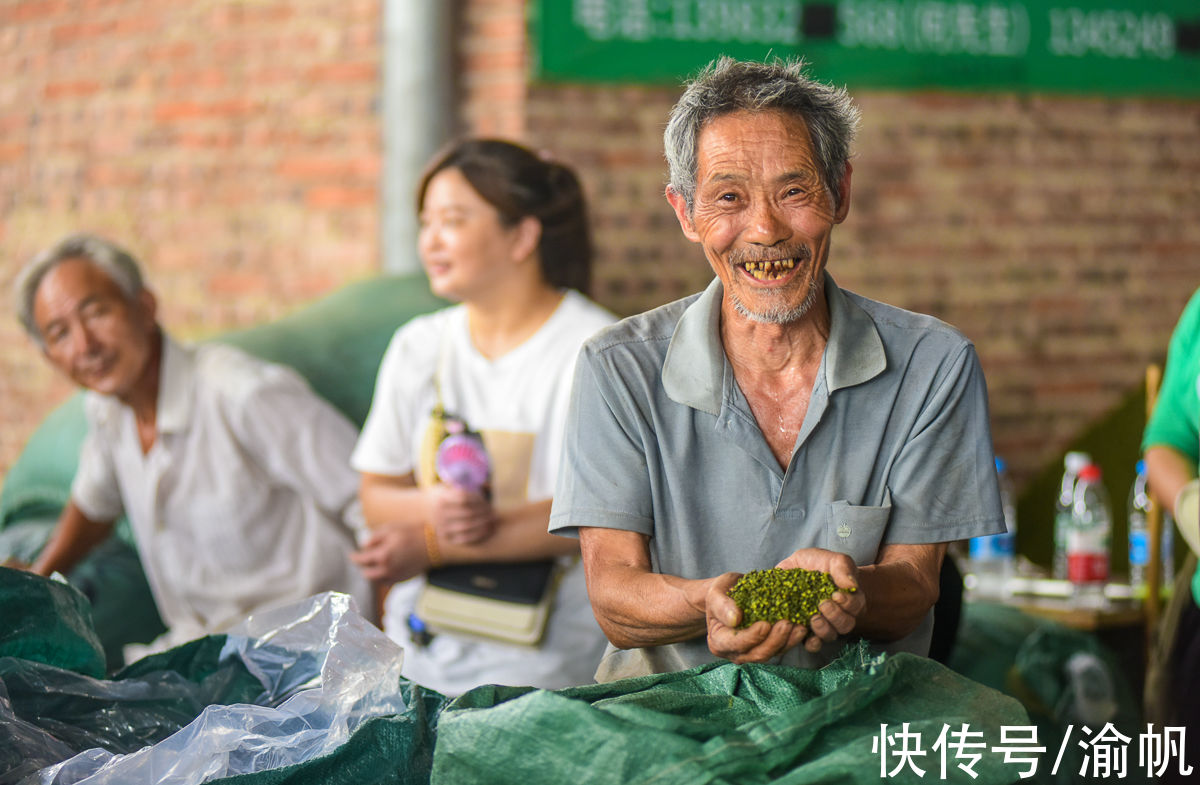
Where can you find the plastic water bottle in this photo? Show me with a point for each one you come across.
(1168, 549)
(993, 557)
(1139, 537)
(1139, 534)
(1073, 463)
(1088, 538)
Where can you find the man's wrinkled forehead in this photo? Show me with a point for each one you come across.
(78, 277)
(737, 142)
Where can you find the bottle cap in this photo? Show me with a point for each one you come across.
(1090, 473)
(1075, 461)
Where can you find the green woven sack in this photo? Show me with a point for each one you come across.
(48, 622)
(49, 714)
(722, 723)
(394, 750)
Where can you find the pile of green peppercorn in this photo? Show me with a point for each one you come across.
(775, 594)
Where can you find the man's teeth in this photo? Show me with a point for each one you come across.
(766, 271)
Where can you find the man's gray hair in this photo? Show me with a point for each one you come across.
(726, 85)
(117, 263)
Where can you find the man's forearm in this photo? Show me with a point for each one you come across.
(900, 590)
(635, 606)
(73, 537)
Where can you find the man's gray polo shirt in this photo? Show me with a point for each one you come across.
(895, 448)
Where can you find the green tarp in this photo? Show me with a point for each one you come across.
(47, 622)
(394, 750)
(54, 703)
(725, 724)
(722, 723)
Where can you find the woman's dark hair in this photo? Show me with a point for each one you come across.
(519, 183)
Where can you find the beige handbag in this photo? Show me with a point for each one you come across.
(509, 603)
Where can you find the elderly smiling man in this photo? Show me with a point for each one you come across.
(233, 473)
(774, 419)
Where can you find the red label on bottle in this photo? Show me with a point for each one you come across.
(1087, 567)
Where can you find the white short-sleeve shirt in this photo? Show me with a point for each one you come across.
(525, 391)
(245, 500)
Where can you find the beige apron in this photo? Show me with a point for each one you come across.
(511, 453)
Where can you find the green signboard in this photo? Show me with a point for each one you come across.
(1084, 46)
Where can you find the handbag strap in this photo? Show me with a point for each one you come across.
(435, 427)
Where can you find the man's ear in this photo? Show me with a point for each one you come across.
(843, 208)
(679, 204)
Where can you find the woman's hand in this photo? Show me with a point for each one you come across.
(393, 553)
(458, 516)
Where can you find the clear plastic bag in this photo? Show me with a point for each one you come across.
(24, 747)
(324, 670)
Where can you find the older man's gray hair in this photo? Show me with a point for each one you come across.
(117, 263)
(727, 85)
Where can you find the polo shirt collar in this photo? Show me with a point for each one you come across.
(855, 352)
(694, 367)
(175, 386)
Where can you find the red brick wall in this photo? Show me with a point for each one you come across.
(491, 52)
(1062, 235)
(1059, 234)
(233, 146)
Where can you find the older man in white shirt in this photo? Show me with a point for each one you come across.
(233, 473)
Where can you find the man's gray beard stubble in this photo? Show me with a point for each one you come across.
(777, 314)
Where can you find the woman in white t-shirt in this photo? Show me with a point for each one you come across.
(503, 233)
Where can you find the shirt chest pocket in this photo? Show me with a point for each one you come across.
(856, 530)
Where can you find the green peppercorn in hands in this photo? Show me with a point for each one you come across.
(776, 594)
